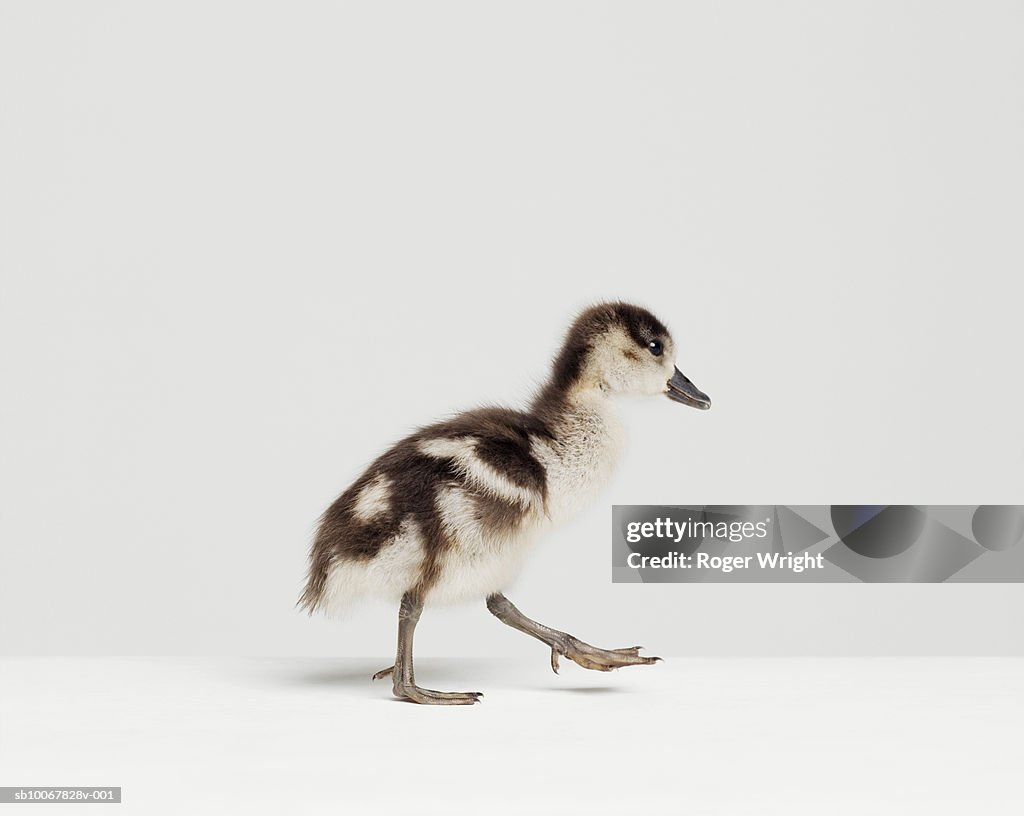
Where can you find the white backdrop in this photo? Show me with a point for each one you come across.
(245, 245)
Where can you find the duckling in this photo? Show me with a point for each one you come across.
(449, 513)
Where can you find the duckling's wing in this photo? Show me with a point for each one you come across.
(457, 483)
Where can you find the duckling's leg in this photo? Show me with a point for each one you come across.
(587, 656)
(403, 679)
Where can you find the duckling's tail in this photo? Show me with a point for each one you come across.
(320, 561)
(313, 594)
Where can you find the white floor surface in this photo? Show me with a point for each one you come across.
(693, 736)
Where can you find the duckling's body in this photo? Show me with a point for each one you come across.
(449, 513)
(456, 506)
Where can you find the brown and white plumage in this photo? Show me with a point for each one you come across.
(448, 513)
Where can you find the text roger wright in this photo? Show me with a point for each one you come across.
(726, 563)
(669, 530)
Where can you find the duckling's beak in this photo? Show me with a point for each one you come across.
(682, 390)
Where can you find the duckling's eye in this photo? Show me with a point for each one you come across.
(655, 348)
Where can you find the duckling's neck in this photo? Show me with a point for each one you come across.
(586, 439)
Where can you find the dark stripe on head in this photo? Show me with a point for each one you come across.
(586, 329)
(642, 326)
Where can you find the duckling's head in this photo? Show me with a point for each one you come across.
(620, 348)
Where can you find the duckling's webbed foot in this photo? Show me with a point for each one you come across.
(415, 694)
(591, 657)
(565, 645)
(402, 674)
